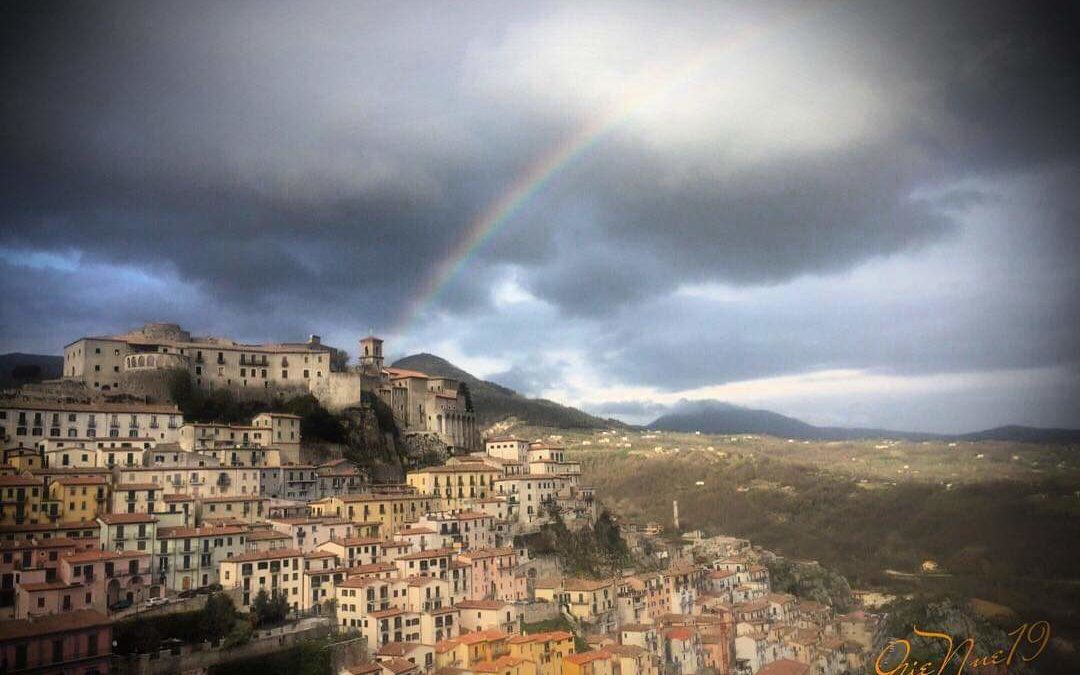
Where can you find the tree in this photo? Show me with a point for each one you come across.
(339, 360)
(463, 390)
(260, 606)
(269, 609)
(25, 372)
(219, 615)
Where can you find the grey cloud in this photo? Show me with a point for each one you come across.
(307, 166)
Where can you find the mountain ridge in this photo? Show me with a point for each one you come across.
(719, 417)
(494, 403)
(18, 367)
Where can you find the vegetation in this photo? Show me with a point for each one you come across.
(1000, 519)
(269, 610)
(142, 634)
(956, 618)
(811, 582)
(339, 360)
(18, 369)
(310, 657)
(596, 551)
(220, 405)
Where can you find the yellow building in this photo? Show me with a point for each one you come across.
(78, 498)
(505, 665)
(278, 572)
(545, 650)
(588, 663)
(23, 458)
(20, 500)
(457, 484)
(469, 649)
(588, 600)
(391, 511)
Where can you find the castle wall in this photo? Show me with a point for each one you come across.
(337, 391)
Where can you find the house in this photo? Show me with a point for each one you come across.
(276, 571)
(587, 600)
(127, 531)
(477, 615)
(21, 500)
(322, 572)
(417, 655)
(74, 643)
(189, 557)
(588, 663)
(633, 660)
(308, 534)
(545, 650)
(495, 574)
(77, 498)
(392, 510)
(247, 508)
(87, 580)
(784, 667)
(26, 421)
(682, 649)
(455, 484)
(529, 496)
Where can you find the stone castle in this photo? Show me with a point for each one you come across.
(134, 362)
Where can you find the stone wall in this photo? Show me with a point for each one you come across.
(338, 391)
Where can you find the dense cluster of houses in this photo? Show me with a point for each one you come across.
(106, 506)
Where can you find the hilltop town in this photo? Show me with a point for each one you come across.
(137, 538)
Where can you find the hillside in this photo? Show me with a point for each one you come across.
(17, 368)
(717, 417)
(494, 403)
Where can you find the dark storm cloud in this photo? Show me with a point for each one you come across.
(304, 167)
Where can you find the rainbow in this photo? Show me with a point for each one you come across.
(540, 173)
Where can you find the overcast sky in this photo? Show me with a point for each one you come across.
(857, 213)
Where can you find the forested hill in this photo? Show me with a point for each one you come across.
(17, 368)
(494, 403)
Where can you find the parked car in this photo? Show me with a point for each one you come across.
(189, 593)
(214, 588)
(157, 602)
(119, 605)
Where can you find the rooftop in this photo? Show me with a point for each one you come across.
(54, 623)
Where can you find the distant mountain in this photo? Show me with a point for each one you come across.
(493, 402)
(17, 368)
(717, 417)
(1019, 434)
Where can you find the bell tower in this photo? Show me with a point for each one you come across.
(371, 353)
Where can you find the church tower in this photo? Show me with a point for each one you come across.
(371, 353)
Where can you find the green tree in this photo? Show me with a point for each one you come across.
(269, 609)
(219, 615)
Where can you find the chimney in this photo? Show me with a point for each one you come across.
(314, 340)
(675, 512)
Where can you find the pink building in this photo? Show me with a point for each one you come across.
(76, 643)
(87, 580)
(495, 575)
(19, 557)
